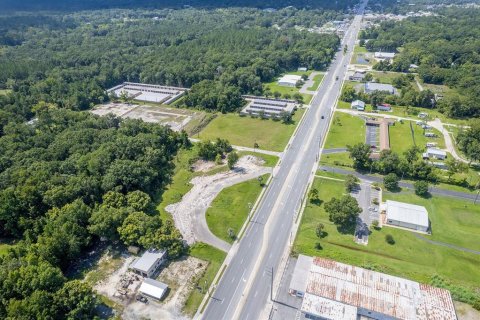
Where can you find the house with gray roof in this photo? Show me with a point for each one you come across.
(148, 264)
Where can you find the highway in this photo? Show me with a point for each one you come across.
(245, 287)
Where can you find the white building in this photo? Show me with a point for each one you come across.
(303, 69)
(148, 92)
(436, 153)
(334, 290)
(149, 262)
(153, 289)
(372, 87)
(289, 80)
(358, 105)
(406, 215)
(384, 55)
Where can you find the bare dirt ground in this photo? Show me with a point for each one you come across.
(203, 166)
(175, 118)
(179, 275)
(465, 311)
(189, 213)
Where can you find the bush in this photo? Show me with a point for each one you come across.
(389, 239)
(375, 224)
(318, 246)
(390, 181)
(421, 188)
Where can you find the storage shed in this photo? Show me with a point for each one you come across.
(407, 215)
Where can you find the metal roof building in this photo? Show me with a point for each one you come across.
(148, 92)
(153, 289)
(269, 107)
(289, 80)
(384, 55)
(149, 262)
(339, 291)
(373, 86)
(406, 215)
(358, 105)
(436, 153)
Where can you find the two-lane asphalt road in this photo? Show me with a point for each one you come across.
(244, 289)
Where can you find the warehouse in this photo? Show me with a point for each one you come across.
(148, 264)
(334, 290)
(371, 87)
(406, 215)
(148, 92)
(257, 106)
(153, 289)
(289, 80)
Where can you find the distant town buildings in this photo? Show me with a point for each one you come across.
(334, 290)
(289, 80)
(147, 92)
(358, 75)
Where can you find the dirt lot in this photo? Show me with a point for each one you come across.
(179, 275)
(176, 118)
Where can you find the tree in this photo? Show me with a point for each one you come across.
(388, 162)
(351, 182)
(277, 94)
(286, 117)
(389, 239)
(287, 96)
(75, 300)
(368, 77)
(319, 230)
(313, 194)
(343, 211)
(375, 224)
(298, 97)
(348, 94)
(421, 188)
(135, 227)
(411, 154)
(360, 153)
(138, 200)
(390, 181)
(232, 159)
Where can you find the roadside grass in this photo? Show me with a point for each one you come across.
(345, 130)
(316, 82)
(409, 257)
(401, 137)
(245, 131)
(341, 159)
(360, 49)
(270, 161)
(215, 258)
(230, 208)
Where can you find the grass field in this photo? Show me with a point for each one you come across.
(245, 131)
(290, 90)
(401, 137)
(270, 161)
(385, 77)
(341, 159)
(345, 130)
(409, 257)
(215, 258)
(316, 82)
(230, 207)
(358, 49)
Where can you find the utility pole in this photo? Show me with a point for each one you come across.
(475, 202)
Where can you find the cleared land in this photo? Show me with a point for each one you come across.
(345, 130)
(402, 138)
(214, 257)
(230, 207)
(453, 221)
(245, 131)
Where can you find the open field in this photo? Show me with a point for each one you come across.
(410, 256)
(273, 85)
(316, 82)
(401, 137)
(270, 161)
(215, 258)
(385, 77)
(245, 131)
(341, 159)
(231, 207)
(345, 130)
(358, 49)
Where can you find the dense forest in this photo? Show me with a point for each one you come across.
(70, 60)
(105, 4)
(67, 180)
(446, 48)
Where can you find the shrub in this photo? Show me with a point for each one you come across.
(389, 239)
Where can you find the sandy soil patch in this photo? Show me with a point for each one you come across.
(203, 166)
(189, 213)
(466, 311)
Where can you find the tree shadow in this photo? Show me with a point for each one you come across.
(316, 202)
(427, 195)
(346, 229)
(324, 234)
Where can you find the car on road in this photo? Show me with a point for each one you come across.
(323, 117)
(336, 78)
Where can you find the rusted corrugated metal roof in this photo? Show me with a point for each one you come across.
(378, 292)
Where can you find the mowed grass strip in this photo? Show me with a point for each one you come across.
(409, 257)
(345, 130)
(401, 137)
(245, 131)
(214, 258)
(316, 82)
(230, 207)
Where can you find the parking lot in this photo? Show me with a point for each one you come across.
(368, 199)
(372, 136)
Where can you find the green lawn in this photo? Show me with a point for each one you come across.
(316, 82)
(230, 207)
(270, 161)
(401, 137)
(245, 131)
(215, 258)
(341, 159)
(345, 130)
(358, 49)
(385, 77)
(409, 257)
(287, 90)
